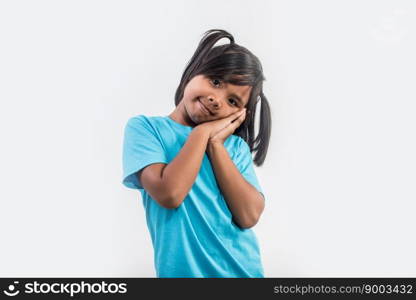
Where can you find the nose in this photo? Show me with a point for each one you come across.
(213, 102)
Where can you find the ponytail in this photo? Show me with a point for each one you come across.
(263, 138)
(236, 65)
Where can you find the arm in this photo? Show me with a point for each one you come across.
(244, 201)
(170, 183)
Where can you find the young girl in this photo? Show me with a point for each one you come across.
(196, 177)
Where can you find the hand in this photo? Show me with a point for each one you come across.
(222, 128)
(224, 133)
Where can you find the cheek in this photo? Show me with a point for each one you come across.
(192, 110)
(192, 89)
(191, 104)
(191, 97)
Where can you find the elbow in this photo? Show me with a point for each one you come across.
(169, 198)
(249, 224)
(254, 217)
(171, 202)
(168, 205)
(164, 200)
(251, 219)
(158, 187)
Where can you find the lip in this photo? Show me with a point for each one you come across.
(204, 108)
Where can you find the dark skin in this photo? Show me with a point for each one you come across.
(220, 98)
(222, 101)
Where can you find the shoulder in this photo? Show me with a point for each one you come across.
(144, 121)
(139, 119)
(140, 125)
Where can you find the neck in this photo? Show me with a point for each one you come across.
(180, 115)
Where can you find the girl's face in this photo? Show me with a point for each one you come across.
(208, 99)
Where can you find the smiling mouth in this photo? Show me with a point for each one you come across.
(203, 107)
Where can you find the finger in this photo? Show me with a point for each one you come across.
(237, 114)
(227, 121)
(237, 122)
(242, 115)
(234, 125)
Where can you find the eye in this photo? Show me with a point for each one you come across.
(235, 102)
(215, 81)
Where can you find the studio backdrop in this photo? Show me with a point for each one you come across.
(339, 177)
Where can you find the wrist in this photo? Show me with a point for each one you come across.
(202, 132)
(212, 145)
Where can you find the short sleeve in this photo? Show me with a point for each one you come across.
(244, 163)
(141, 147)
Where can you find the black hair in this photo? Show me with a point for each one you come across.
(236, 65)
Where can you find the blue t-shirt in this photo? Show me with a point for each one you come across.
(199, 238)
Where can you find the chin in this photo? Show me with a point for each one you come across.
(192, 119)
(198, 121)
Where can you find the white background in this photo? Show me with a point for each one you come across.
(340, 174)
